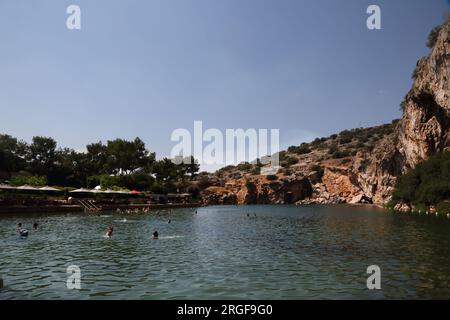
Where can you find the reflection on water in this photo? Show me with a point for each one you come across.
(284, 252)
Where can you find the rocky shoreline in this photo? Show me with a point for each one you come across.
(359, 165)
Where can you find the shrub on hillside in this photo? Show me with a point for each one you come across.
(318, 169)
(302, 149)
(340, 154)
(245, 166)
(433, 36)
(428, 183)
(345, 136)
(288, 161)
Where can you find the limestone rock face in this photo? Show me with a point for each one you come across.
(424, 128)
(362, 175)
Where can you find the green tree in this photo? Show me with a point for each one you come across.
(126, 157)
(97, 156)
(41, 155)
(12, 155)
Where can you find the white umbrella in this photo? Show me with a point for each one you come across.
(27, 188)
(47, 188)
(109, 191)
(81, 190)
(7, 187)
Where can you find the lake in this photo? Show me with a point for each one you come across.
(228, 252)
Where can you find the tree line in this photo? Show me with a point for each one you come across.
(115, 164)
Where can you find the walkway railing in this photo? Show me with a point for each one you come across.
(89, 206)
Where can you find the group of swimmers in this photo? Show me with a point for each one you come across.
(23, 232)
(110, 231)
(137, 210)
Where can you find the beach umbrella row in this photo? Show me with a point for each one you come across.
(96, 191)
(28, 188)
(77, 191)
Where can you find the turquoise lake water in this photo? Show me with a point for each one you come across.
(277, 252)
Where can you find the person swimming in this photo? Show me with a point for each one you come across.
(35, 226)
(109, 232)
(155, 234)
(19, 225)
(23, 233)
(169, 222)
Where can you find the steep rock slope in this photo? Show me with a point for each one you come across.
(356, 166)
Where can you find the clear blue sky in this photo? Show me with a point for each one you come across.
(144, 68)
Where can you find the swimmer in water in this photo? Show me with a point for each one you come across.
(19, 225)
(169, 222)
(35, 226)
(23, 233)
(109, 232)
(155, 235)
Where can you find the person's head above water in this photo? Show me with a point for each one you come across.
(155, 234)
(19, 225)
(35, 225)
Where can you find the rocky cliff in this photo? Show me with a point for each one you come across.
(359, 165)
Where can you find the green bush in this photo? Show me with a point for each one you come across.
(345, 137)
(433, 36)
(288, 161)
(35, 181)
(421, 207)
(318, 169)
(340, 154)
(317, 142)
(158, 188)
(107, 181)
(302, 149)
(245, 166)
(443, 207)
(428, 183)
(332, 149)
